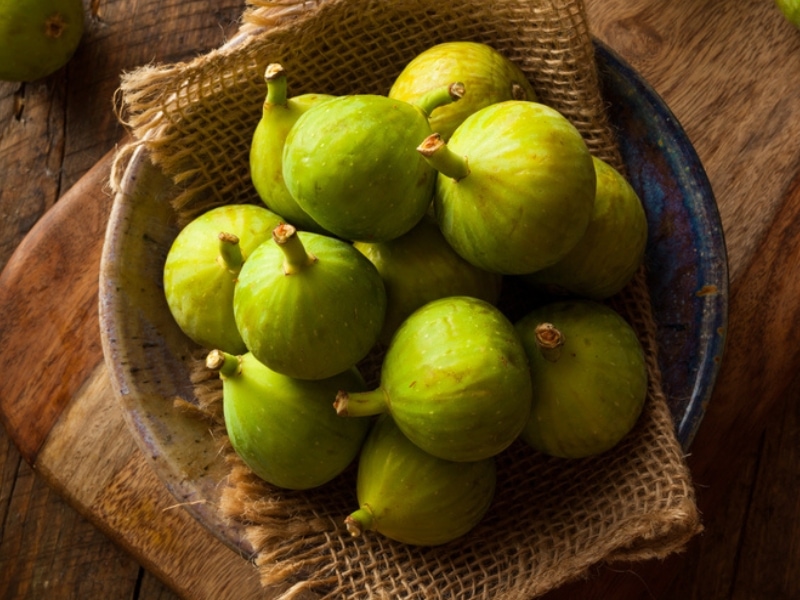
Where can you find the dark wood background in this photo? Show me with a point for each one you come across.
(730, 72)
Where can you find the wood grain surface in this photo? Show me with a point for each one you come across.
(729, 72)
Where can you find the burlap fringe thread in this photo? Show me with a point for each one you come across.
(552, 519)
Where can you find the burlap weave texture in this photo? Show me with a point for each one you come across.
(552, 519)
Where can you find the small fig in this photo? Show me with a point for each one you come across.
(202, 266)
(351, 164)
(283, 428)
(308, 305)
(516, 186)
(611, 250)
(420, 266)
(454, 378)
(412, 497)
(488, 77)
(279, 114)
(38, 37)
(589, 377)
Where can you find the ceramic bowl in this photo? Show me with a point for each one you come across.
(686, 261)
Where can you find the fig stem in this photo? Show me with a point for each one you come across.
(295, 257)
(359, 520)
(440, 96)
(227, 364)
(361, 404)
(230, 251)
(549, 339)
(439, 155)
(275, 77)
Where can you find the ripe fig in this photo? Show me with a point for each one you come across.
(589, 377)
(488, 77)
(38, 37)
(202, 266)
(351, 164)
(516, 186)
(283, 428)
(420, 266)
(454, 378)
(279, 114)
(611, 250)
(308, 305)
(412, 497)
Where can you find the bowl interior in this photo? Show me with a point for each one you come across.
(148, 356)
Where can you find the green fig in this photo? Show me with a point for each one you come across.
(279, 113)
(308, 305)
(283, 428)
(351, 164)
(488, 77)
(589, 377)
(611, 250)
(516, 186)
(202, 266)
(412, 497)
(420, 266)
(38, 37)
(790, 9)
(454, 378)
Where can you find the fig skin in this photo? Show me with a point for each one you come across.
(611, 250)
(279, 114)
(351, 164)
(488, 77)
(589, 385)
(201, 269)
(412, 497)
(516, 187)
(420, 266)
(308, 305)
(283, 428)
(455, 379)
(38, 37)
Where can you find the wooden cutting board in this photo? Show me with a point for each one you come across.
(59, 407)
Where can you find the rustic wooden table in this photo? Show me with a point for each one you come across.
(731, 74)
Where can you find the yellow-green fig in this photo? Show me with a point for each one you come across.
(589, 377)
(412, 497)
(38, 37)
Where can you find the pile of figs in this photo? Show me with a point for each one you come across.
(393, 226)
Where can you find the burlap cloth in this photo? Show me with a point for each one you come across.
(552, 519)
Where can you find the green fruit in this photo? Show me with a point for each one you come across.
(38, 37)
(351, 164)
(412, 497)
(455, 379)
(516, 186)
(487, 75)
(202, 266)
(790, 10)
(608, 255)
(279, 114)
(421, 266)
(308, 305)
(284, 428)
(589, 378)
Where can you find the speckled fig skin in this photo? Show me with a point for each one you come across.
(412, 497)
(589, 378)
(487, 75)
(38, 37)
(516, 187)
(279, 114)
(308, 305)
(283, 428)
(611, 250)
(455, 379)
(351, 164)
(421, 266)
(201, 268)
